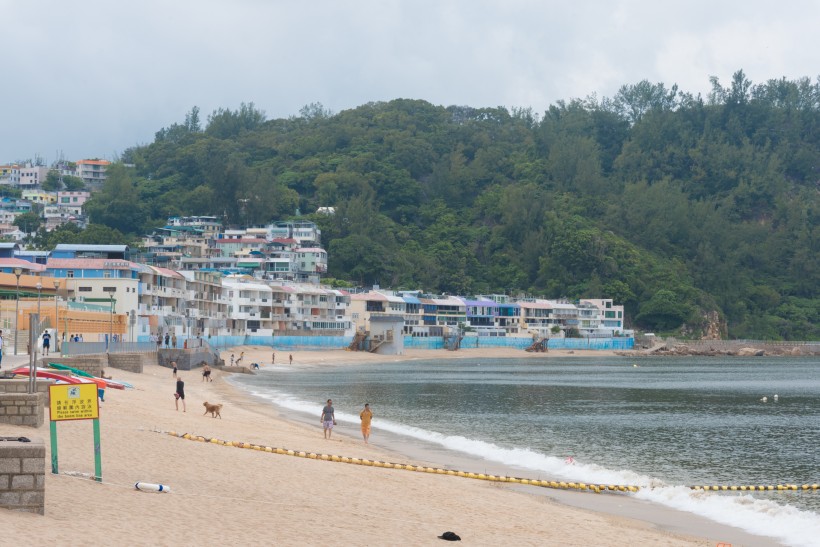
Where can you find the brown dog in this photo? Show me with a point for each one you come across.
(213, 409)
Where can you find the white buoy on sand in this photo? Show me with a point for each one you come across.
(150, 487)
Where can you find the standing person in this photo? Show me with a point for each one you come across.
(366, 416)
(231, 359)
(241, 357)
(174, 366)
(167, 340)
(174, 340)
(328, 418)
(290, 357)
(46, 342)
(180, 394)
(272, 357)
(206, 373)
(159, 340)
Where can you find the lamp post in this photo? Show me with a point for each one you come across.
(56, 319)
(111, 322)
(18, 272)
(39, 289)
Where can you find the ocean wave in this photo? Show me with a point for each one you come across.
(757, 516)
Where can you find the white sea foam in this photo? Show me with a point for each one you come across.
(763, 517)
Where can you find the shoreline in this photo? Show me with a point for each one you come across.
(219, 491)
(408, 450)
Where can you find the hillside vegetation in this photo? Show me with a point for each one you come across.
(682, 208)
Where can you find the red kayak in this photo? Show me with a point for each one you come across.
(41, 373)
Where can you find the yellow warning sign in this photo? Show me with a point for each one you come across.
(73, 402)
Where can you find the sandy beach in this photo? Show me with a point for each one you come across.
(225, 494)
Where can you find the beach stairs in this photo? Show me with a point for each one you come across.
(539, 346)
(358, 341)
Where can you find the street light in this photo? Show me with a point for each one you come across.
(111, 323)
(39, 288)
(18, 272)
(56, 321)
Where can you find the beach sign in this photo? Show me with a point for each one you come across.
(75, 402)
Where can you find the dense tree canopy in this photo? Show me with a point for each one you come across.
(675, 205)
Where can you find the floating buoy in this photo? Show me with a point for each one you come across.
(150, 487)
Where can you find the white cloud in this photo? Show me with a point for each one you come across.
(91, 78)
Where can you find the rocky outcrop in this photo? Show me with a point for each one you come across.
(725, 347)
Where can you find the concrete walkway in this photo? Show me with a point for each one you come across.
(13, 361)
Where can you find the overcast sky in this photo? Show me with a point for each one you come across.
(91, 78)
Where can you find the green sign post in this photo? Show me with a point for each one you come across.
(75, 402)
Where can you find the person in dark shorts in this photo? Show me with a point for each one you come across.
(46, 342)
(206, 373)
(174, 365)
(180, 394)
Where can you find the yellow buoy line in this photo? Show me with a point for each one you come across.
(757, 488)
(597, 488)
(562, 485)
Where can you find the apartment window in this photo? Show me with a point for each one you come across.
(107, 274)
(69, 273)
(84, 289)
(109, 289)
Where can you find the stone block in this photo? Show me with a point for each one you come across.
(9, 465)
(33, 465)
(22, 482)
(4, 482)
(9, 498)
(33, 498)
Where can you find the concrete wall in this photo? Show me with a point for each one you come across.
(187, 359)
(131, 362)
(22, 475)
(22, 409)
(92, 364)
(21, 386)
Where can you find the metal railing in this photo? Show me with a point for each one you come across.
(88, 348)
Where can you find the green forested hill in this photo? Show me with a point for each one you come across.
(676, 206)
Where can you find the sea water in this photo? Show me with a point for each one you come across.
(663, 424)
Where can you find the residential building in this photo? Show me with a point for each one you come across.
(39, 197)
(306, 233)
(10, 175)
(92, 171)
(32, 176)
(75, 198)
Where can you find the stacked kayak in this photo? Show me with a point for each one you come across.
(70, 375)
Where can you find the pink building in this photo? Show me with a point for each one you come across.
(74, 199)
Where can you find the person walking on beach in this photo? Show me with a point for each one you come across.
(174, 366)
(290, 357)
(328, 418)
(273, 358)
(206, 373)
(366, 416)
(180, 394)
